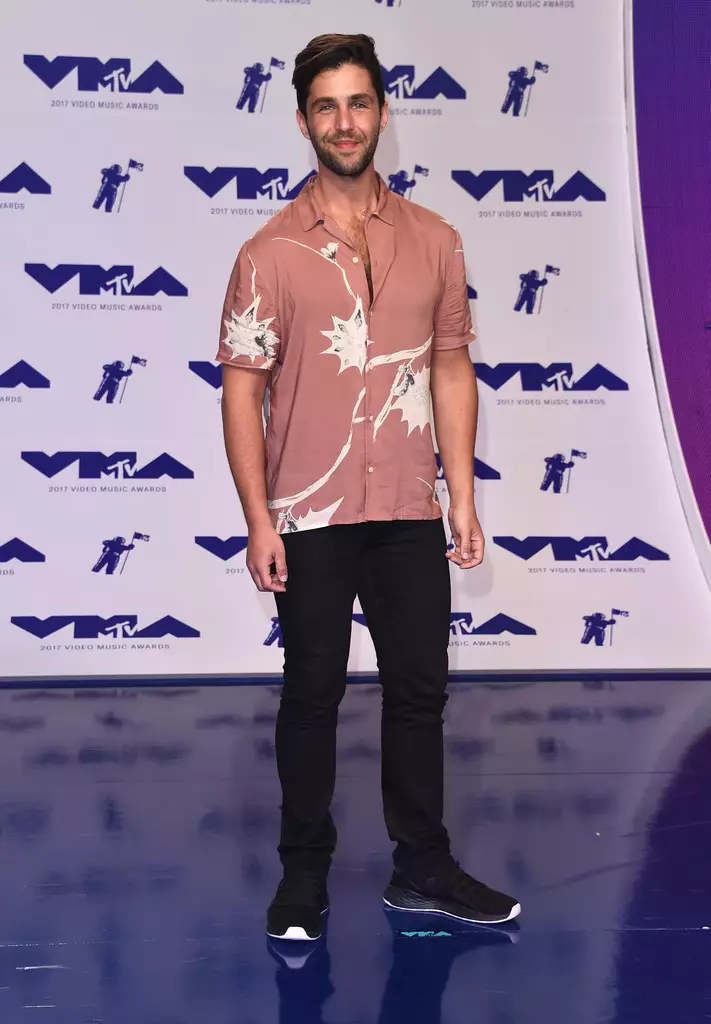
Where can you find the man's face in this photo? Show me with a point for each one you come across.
(343, 119)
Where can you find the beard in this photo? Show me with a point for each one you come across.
(346, 167)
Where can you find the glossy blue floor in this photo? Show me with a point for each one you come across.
(137, 832)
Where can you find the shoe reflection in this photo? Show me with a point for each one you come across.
(424, 949)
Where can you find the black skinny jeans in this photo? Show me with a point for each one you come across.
(400, 574)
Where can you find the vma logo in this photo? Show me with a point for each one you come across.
(481, 470)
(538, 187)
(22, 373)
(18, 550)
(400, 84)
(272, 184)
(119, 465)
(462, 624)
(23, 178)
(593, 549)
(90, 627)
(115, 74)
(556, 376)
(95, 280)
(224, 549)
(209, 372)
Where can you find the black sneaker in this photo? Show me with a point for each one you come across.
(295, 912)
(453, 893)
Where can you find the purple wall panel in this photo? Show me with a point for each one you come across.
(672, 48)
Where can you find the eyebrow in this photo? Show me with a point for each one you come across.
(332, 99)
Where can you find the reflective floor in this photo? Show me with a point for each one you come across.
(137, 832)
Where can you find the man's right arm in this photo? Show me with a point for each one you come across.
(242, 400)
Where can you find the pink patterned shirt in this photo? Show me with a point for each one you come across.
(348, 433)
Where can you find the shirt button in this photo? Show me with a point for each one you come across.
(371, 418)
(370, 469)
(355, 259)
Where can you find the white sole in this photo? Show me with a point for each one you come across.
(515, 911)
(296, 934)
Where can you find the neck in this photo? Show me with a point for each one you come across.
(345, 196)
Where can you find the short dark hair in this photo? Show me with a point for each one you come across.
(328, 52)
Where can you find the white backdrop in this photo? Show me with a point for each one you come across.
(547, 190)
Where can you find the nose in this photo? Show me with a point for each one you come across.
(344, 118)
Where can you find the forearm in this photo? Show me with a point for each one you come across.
(242, 399)
(455, 407)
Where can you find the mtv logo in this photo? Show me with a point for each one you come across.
(224, 549)
(518, 186)
(556, 376)
(481, 470)
(24, 178)
(90, 627)
(95, 280)
(472, 293)
(115, 74)
(22, 373)
(593, 549)
(462, 624)
(271, 184)
(18, 550)
(119, 465)
(400, 83)
(209, 372)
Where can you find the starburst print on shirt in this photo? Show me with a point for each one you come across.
(349, 339)
(413, 399)
(247, 335)
(287, 523)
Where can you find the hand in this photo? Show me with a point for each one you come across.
(266, 560)
(468, 537)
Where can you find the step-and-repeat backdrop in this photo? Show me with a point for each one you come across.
(141, 147)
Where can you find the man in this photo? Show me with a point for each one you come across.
(351, 303)
(254, 79)
(111, 180)
(114, 373)
(530, 283)
(518, 83)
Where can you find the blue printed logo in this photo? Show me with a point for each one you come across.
(18, 550)
(559, 469)
(593, 549)
(520, 88)
(224, 549)
(390, 3)
(113, 184)
(250, 183)
(115, 75)
(538, 186)
(23, 178)
(211, 373)
(256, 83)
(403, 183)
(21, 373)
(555, 376)
(115, 552)
(115, 379)
(598, 624)
(95, 280)
(90, 627)
(462, 624)
(119, 465)
(400, 84)
(530, 292)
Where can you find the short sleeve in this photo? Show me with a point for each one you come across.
(453, 319)
(249, 332)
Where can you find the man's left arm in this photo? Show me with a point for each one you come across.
(455, 406)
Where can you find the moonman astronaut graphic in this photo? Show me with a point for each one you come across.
(595, 627)
(400, 183)
(111, 555)
(114, 373)
(530, 283)
(254, 79)
(275, 636)
(111, 179)
(556, 465)
(518, 83)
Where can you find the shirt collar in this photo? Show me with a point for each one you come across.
(311, 213)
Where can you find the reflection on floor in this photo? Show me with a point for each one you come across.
(137, 832)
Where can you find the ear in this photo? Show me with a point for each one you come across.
(303, 126)
(384, 117)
